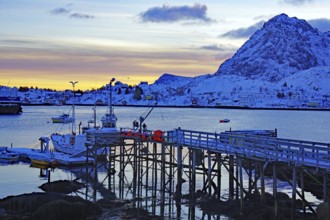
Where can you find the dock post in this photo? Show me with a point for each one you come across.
(193, 179)
(48, 175)
(162, 179)
(219, 175)
(171, 170)
(231, 177)
(262, 182)
(134, 168)
(147, 169)
(178, 188)
(236, 181)
(241, 184)
(178, 191)
(294, 189)
(155, 177)
(122, 171)
(325, 188)
(250, 175)
(275, 190)
(302, 189)
(209, 167)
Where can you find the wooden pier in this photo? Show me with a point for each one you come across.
(173, 166)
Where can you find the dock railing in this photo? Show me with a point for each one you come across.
(258, 147)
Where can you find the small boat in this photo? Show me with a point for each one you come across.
(64, 118)
(225, 120)
(8, 156)
(38, 160)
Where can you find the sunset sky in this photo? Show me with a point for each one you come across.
(49, 43)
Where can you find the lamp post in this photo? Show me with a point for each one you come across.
(110, 97)
(73, 110)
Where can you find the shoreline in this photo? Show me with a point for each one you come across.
(189, 106)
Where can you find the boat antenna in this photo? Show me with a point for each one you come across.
(73, 110)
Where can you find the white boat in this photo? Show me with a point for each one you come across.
(79, 144)
(8, 156)
(47, 158)
(64, 118)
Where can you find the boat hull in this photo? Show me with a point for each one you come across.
(10, 109)
(59, 120)
(10, 157)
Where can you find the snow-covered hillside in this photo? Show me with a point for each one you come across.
(285, 64)
(282, 47)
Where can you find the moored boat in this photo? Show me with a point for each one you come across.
(43, 161)
(64, 118)
(10, 103)
(8, 156)
(80, 143)
(10, 109)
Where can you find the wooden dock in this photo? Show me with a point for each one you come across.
(181, 162)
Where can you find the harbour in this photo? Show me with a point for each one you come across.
(286, 124)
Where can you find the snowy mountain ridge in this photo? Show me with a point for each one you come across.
(285, 64)
(283, 46)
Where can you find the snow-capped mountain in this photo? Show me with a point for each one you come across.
(282, 47)
(285, 64)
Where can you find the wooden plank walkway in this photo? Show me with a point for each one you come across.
(257, 147)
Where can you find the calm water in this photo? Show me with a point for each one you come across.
(25, 130)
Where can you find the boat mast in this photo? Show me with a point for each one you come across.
(73, 110)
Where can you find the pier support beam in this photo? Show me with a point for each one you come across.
(241, 185)
(231, 177)
(294, 185)
(275, 190)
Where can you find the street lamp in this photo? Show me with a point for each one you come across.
(73, 110)
(110, 96)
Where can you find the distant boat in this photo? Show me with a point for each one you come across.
(64, 118)
(225, 120)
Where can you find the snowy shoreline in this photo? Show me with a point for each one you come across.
(219, 107)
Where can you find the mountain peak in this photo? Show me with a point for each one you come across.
(280, 48)
(280, 18)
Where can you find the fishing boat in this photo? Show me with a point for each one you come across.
(64, 118)
(10, 103)
(73, 143)
(225, 120)
(10, 109)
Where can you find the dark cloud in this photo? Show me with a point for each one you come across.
(243, 32)
(60, 11)
(79, 15)
(175, 13)
(223, 51)
(212, 47)
(219, 47)
(321, 24)
(297, 2)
